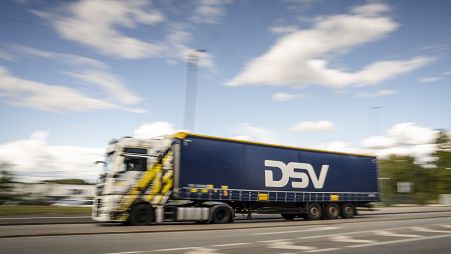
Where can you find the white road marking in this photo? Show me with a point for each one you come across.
(297, 231)
(159, 250)
(348, 239)
(446, 226)
(276, 240)
(285, 245)
(349, 233)
(202, 251)
(172, 249)
(420, 229)
(389, 233)
(323, 250)
(127, 252)
(229, 244)
(399, 241)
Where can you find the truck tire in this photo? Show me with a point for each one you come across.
(288, 216)
(347, 211)
(332, 211)
(313, 211)
(141, 215)
(221, 214)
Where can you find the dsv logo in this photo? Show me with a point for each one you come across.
(288, 171)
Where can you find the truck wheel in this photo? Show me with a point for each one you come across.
(288, 216)
(332, 211)
(221, 214)
(313, 212)
(347, 211)
(141, 215)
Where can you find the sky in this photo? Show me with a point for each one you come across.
(353, 76)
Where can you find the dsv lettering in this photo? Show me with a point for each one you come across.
(288, 171)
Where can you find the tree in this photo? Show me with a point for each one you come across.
(442, 170)
(6, 180)
(396, 169)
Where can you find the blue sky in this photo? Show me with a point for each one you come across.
(361, 76)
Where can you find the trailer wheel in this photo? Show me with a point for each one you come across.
(313, 211)
(347, 211)
(141, 215)
(288, 216)
(332, 211)
(221, 214)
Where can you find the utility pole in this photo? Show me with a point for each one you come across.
(190, 90)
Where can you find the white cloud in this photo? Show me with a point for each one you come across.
(402, 134)
(385, 92)
(338, 146)
(70, 59)
(314, 126)
(6, 56)
(154, 129)
(411, 134)
(99, 25)
(177, 47)
(371, 9)
(88, 70)
(209, 11)
(379, 93)
(404, 139)
(252, 133)
(34, 159)
(95, 24)
(283, 29)
(421, 153)
(27, 93)
(430, 79)
(281, 97)
(110, 83)
(378, 142)
(300, 58)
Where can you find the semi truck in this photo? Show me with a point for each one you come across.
(206, 179)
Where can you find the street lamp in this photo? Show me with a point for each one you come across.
(191, 86)
(375, 108)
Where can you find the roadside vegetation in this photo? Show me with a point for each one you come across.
(7, 210)
(427, 181)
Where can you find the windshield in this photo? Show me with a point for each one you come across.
(108, 162)
(134, 163)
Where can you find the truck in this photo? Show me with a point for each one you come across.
(206, 179)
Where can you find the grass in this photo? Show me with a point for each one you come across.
(7, 210)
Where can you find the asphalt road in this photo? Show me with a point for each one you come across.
(86, 218)
(396, 233)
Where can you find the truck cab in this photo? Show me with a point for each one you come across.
(126, 162)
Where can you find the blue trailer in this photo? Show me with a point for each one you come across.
(209, 179)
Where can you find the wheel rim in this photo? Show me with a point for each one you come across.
(333, 211)
(220, 215)
(142, 215)
(348, 210)
(314, 211)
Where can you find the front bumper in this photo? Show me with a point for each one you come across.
(104, 210)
